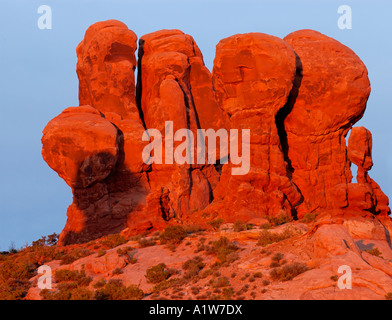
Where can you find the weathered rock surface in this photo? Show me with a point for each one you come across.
(324, 247)
(298, 97)
(329, 97)
(253, 76)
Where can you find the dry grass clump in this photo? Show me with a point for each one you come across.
(267, 237)
(288, 271)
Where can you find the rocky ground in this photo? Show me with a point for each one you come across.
(295, 260)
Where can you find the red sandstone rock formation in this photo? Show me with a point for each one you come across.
(174, 85)
(360, 153)
(253, 76)
(329, 97)
(299, 97)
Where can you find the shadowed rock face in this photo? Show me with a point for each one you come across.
(299, 97)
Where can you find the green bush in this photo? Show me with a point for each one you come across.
(157, 273)
(223, 249)
(79, 277)
(193, 228)
(267, 237)
(117, 271)
(193, 267)
(288, 271)
(216, 223)
(277, 257)
(241, 226)
(220, 282)
(309, 217)
(101, 253)
(115, 290)
(99, 284)
(170, 283)
(173, 235)
(129, 253)
(143, 242)
(16, 270)
(228, 293)
(375, 252)
(14, 289)
(74, 255)
(279, 220)
(67, 291)
(113, 240)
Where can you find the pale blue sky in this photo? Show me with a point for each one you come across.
(38, 80)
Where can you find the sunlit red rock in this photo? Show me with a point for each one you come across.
(253, 76)
(329, 97)
(360, 154)
(298, 97)
(81, 146)
(106, 65)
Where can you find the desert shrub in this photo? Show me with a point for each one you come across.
(193, 228)
(157, 273)
(220, 282)
(67, 291)
(258, 275)
(46, 294)
(81, 294)
(117, 271)
(99, 284)
(14, 289)
(195, 290)
(375, 252)
(388, 296)
(277, 257)
(16, 270)
(223, 248)
(216, 223)
(193, 267)
(79, 277)
(227, 293)
(206, 273)
(115, 290)
(279, 220)
(241, 226)
(113, 240)
(173, 235)
(144, 242)
(14, 275)
(166, 284)
(74, 255)
(50, 240)
(124, 251)
(129, 253)
(334, 277)
(267, 237)
(266, 226)
(266, 282)
(309, 217)
(101, 253)
(288, 271)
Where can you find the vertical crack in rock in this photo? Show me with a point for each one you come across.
(284, 112)
(139, 85)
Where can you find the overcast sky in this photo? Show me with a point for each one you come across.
(38, 80)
